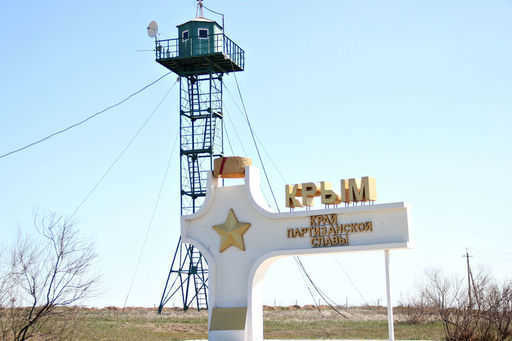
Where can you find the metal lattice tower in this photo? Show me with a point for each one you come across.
(200, 56)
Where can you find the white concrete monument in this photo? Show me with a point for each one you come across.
(241, 239)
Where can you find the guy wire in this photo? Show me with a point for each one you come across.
(58, 132)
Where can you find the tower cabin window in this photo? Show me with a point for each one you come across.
(184, 35)
(203, 33)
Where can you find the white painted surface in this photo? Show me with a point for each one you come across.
(236, 277)
(391, 327)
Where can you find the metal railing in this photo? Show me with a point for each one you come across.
(196, 46)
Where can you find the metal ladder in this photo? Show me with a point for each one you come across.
(198, 272)
(209, 139)
(194, 173)
(194, 96)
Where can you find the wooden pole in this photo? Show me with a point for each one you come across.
(469, 278)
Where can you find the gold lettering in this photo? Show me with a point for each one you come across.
(345, 197)
(332, 219)
(329, 197)
(325, 231)
(321, 242)
(362, 190)
(315, 242)
(351, 190)
(309, 192)
(291, 192)
(315, 220)
(322, 219)
(369, 226)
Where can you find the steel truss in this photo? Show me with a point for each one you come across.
(201, 141)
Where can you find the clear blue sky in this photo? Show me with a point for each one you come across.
(415, 94)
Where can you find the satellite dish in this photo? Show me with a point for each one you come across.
(152, 29)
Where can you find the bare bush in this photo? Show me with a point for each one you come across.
(48, 270)
(498, 310)
(481, 313)
(416, 309)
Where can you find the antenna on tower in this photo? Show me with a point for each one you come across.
(199, 11)
(152, 29)
(218, 13)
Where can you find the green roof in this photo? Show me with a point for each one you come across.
(200, 19)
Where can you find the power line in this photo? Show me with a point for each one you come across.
(319, 291)
(308, 287)
(271, 160)
(255, 144)
(74, 125)
(235, 130)
(352, 282)
(123, 151)
(233, 124)
(150, 224)
(322, 295)
(229, 140)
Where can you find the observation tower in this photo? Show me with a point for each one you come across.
(200, 56)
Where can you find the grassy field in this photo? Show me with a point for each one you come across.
(280, 323)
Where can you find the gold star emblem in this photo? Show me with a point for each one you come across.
(231, 232)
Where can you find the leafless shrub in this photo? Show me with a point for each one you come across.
(416, 309)
(482, 313)
(46, 271)
(497, 305)
(4, 289)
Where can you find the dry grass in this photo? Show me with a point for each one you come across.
(358, 323)
(114, 324)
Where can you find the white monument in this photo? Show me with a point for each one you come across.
(241, 239)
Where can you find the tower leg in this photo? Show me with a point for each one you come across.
(188, 277)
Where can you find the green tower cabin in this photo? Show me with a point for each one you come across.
(201, 56)
(201, 48)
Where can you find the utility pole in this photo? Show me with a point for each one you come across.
(469, 276)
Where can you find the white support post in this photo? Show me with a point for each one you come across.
(391, 328)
